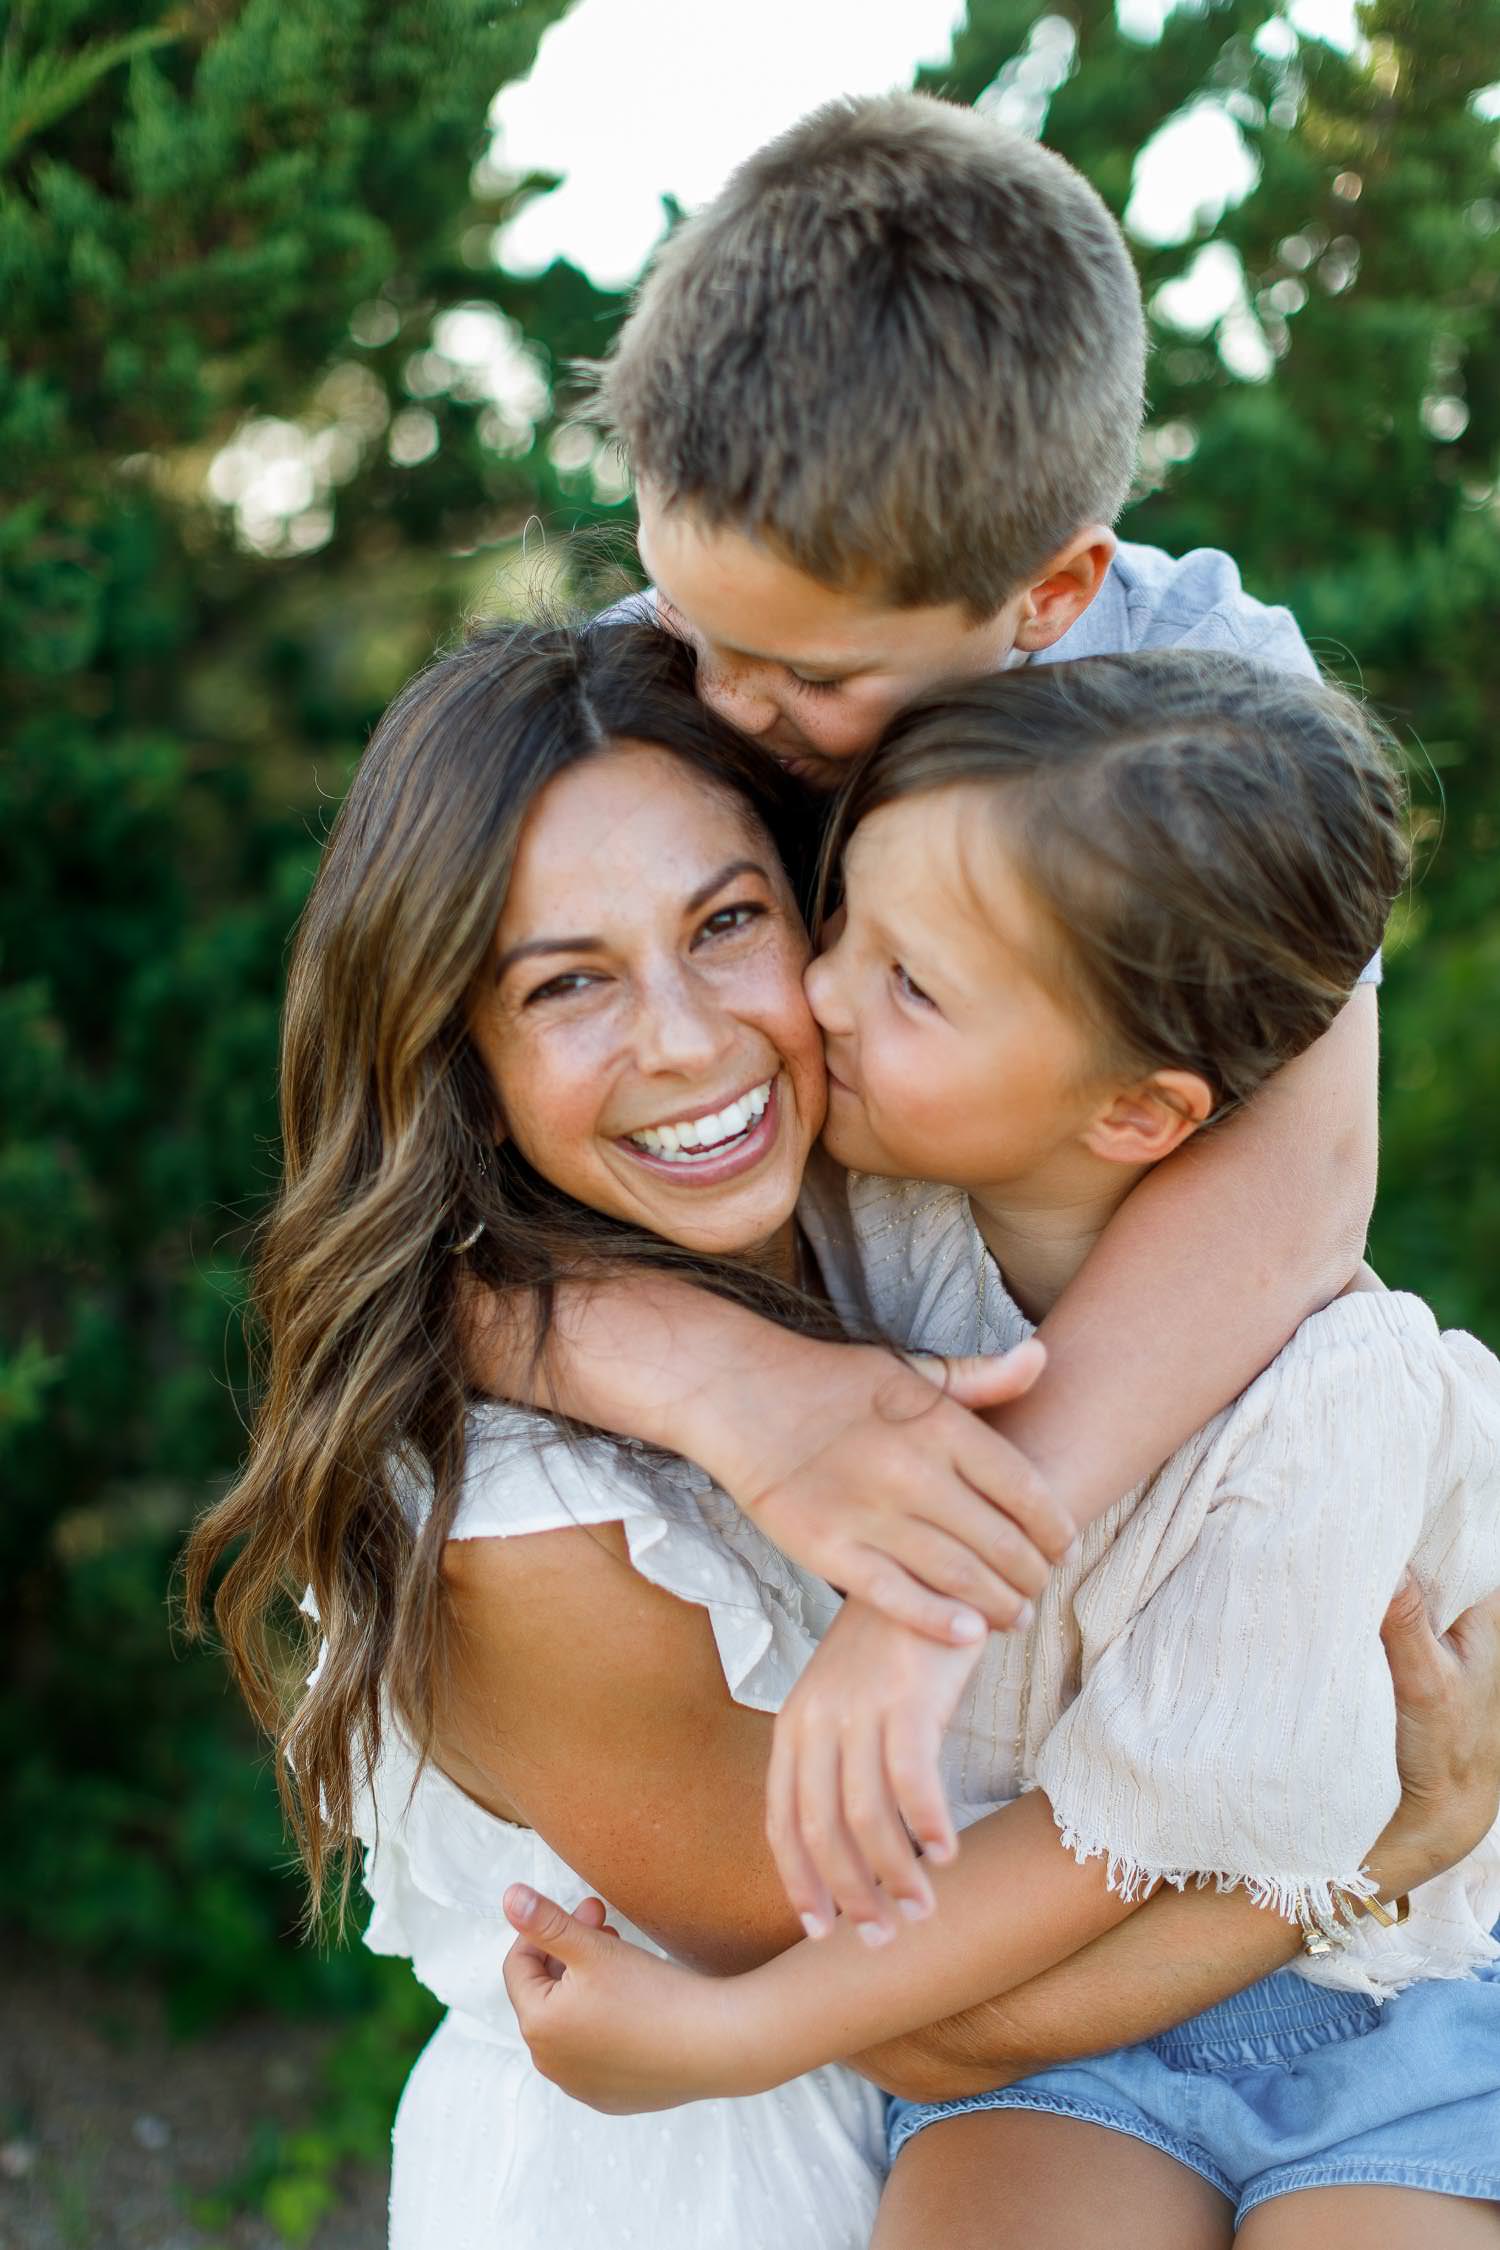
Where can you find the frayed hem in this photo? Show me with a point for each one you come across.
(1321, 1903)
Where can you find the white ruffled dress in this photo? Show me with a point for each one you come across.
(487, 2155)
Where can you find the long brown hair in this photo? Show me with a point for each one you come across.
(389, 1160)
(1218, 845)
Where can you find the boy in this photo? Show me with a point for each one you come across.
(882, 398)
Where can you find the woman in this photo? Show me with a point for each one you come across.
(550, 933)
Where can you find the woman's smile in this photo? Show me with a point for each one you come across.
(706, 1146)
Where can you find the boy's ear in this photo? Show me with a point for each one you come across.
(1148, 1121)
(1064, 586)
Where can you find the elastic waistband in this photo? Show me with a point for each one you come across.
(1281, 2016)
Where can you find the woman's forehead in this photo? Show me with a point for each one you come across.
(637, 817)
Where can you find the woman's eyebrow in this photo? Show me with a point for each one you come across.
(532, 947)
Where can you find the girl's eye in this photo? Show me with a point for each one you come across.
(910, 988)
(559, 987)
(729, 918)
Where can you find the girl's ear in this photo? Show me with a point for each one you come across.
(1148, 1121)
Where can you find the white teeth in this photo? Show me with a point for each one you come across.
(676, 1143)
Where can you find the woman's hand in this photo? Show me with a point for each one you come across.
(1447, 1734)
(612, 2025)
(882, 1479)
(855, 1775)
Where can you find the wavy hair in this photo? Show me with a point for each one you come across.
(389, 1161)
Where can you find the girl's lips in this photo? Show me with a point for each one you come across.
(723, 1164)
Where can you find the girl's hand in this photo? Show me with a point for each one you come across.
(612, 2025)
(854, 1774)
(877, 1474)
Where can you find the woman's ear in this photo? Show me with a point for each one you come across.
(1147, 1121)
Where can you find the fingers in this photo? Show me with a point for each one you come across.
(869, 1574)
(874, 1823)
(835, 1855)
(913, 1743)
(985, 1563)
(800, 1879)
(1412, 1649)
(993, 1379)
(1001, 1474)
(549, 1927)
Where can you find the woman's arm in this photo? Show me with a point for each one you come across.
(622, 2030)
(584, 1702)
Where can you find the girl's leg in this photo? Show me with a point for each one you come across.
(1377, 2218)
(1023, 2178)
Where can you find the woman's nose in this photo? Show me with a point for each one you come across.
(681, 1027)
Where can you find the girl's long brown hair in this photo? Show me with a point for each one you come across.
(389, 1160)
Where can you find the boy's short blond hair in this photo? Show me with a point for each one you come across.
(903, 346)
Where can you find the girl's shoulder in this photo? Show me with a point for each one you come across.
(905, 1257)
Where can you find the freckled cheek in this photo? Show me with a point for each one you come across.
(555, 1114)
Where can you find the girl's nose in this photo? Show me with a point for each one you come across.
(823, 984)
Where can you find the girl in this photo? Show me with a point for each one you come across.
(550, 928)
(1085, 913)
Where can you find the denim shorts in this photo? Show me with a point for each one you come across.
(1289, 2086)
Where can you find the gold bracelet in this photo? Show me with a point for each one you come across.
(1319, 1939)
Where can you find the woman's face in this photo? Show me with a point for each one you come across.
(643, 1022)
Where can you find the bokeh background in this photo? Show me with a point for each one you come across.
(289, 292)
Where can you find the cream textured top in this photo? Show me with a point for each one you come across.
(1204, 1693)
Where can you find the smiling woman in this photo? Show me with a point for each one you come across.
(545, 1018)
(668, 1051)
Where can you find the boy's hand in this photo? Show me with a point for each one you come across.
(881, 1478)
(611, 2024)
(854, 1774)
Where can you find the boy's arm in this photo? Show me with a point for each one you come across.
(860, 1467)
(1206, 1271)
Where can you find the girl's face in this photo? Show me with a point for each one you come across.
(644, 1023)
(952, 1051)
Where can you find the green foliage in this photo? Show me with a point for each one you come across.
(231, 224)
(202, 207)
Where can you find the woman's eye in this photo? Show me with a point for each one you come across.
(910, 988)
(558, 988)
(732, 918)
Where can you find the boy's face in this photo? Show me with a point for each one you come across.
(811, 670)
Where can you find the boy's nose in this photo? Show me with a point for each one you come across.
(739, 695)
